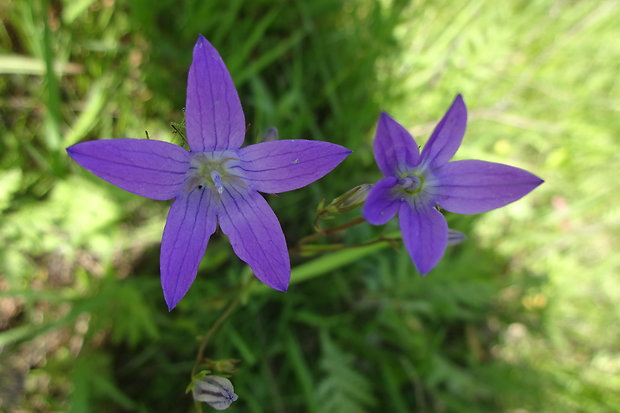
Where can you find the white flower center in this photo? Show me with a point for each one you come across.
(213, 170)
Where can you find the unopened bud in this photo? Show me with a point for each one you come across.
(351, 199)
(455, 237)
(270, 135)
(216, 391)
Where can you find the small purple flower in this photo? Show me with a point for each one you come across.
(218, 392)
(216, 182)
(415, 184)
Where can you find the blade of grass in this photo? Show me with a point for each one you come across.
(87, 119)
(300, 367)
(269, 57)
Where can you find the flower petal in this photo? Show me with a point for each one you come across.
(284, 165)
(213, 114)
(447, 136)
(149, 168)
(471, 186)
(191, 222)
(455, 237)
(381, 205)
(425, 234)
(256, 236)
(394, 147)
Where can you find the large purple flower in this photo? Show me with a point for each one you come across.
(216, 182)
(415, 184)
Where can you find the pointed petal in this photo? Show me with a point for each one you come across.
(471, 186)
(425, 234)
(191, 222)
(394, 147)
(213, 114)
(284, 165)
(256, 236)
(153, 169)
(455, 237)
(448, 135)
(381, 205)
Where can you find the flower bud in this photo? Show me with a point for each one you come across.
(216, 391)
(351, 199)
(455, 237)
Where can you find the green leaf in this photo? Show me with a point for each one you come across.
(9, 184)
(344, 389)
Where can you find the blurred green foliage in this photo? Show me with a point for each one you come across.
(519, 318)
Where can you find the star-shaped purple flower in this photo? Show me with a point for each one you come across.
(415, 184)
(216, 182)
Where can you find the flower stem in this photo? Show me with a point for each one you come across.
(214, 327)
(325, 232)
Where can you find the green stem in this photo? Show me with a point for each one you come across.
(390, 240)
(326, 232)
(316, 224)
(215, 326)
(318, 249)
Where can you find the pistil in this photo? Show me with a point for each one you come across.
(217, 181)
(411, 183)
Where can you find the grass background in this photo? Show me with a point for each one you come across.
(522, 317)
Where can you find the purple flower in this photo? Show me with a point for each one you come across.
(218, 392)
(415, 184)
(216, 182)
